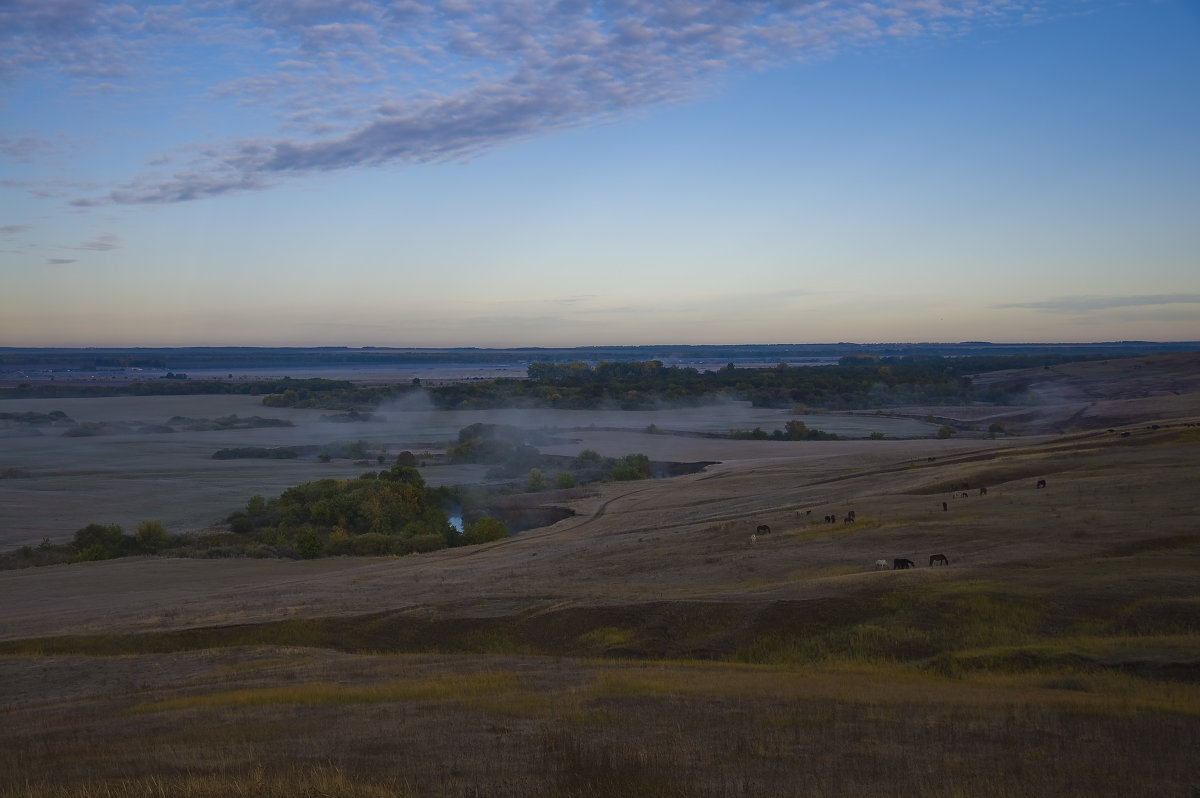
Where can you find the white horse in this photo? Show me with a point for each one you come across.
(881, 565)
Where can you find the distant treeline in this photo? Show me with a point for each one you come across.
(855, 382)
(236, 357)
(292, 392)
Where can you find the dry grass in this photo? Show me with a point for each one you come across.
(646, 647)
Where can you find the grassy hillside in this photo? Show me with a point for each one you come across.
(646, 646)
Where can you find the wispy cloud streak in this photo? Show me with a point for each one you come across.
(1087, 304)
(359, 84)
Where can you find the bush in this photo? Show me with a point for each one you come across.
(98, 542)
(485, 530)
(151, 536)
(535, 481)
(309, 543)
(424, 543)
(370, 544)
(631, 467)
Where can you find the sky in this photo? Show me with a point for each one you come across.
(572, 173)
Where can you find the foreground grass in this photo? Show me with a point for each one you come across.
(966, 687)
(1071, 671)
(207, 724)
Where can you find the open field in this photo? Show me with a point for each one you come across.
(138, 471)
(646, 646)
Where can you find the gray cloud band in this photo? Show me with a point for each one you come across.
(410, 82)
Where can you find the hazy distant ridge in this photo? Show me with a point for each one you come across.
(250, 357)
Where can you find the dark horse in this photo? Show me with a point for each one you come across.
(763, 529)
(899, 564)
(1041, 483)
(938, 559)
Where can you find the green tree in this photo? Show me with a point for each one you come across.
(151, 536)
(631, 467)
(309, 543)
(795, 430)
(945, 431)
(564, 480)
(535, 481)
(98, 542)
(371, 543)
(484, 530)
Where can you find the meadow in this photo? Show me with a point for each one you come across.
(648, 645)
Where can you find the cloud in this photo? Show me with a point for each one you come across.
(360, 84)
(1087, 304)
(61, 261)
(102, 243)
(14, 229)
(24, 148)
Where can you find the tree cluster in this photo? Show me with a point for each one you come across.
(506, 449)
(856, 382)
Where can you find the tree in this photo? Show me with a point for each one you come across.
(946, 431)
(484, 530)
(151, 536)
(631, 467)
(309, 543)
(535, 481)
(98, 542)
(795, 430)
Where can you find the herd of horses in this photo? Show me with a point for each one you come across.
(899, 563)
(902, 563)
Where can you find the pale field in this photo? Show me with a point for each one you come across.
(171, 477)
(688, 538)
(587, 658)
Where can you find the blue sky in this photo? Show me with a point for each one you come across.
(411, 173)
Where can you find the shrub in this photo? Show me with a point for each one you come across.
(485, 530)
(535, 481)
(631, 467)
(98, 542)
(151, 536)
(370, 544)
(424, 543)
(309, 543)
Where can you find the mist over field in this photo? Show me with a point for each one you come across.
(123, 476)
(1011, 573)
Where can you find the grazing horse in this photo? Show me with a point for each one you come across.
(850, 517)
(1041, 483)
(938, 559)
(983, 491)
(763, 529)
(881, 565)
(945, 507)
(899, 564)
